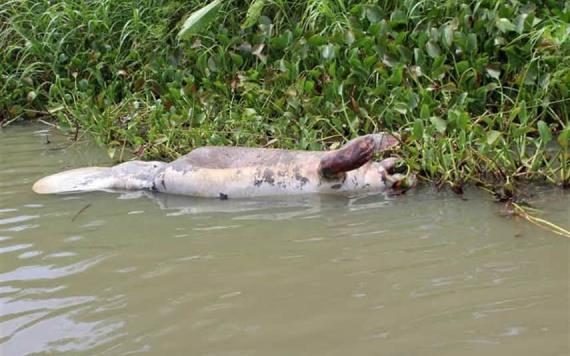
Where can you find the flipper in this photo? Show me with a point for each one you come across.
(355, 153)
(75, 180)
(131, 175)
(351, 156)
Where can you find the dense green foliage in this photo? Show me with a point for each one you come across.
(479, 90)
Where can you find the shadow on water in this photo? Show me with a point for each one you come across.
(272, 208)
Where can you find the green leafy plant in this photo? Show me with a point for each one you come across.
(479, 92)
(199, 19)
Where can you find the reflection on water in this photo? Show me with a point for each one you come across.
(120, 273)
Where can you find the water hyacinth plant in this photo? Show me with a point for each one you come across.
(479, 91)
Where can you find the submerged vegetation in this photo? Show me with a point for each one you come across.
(478, 90)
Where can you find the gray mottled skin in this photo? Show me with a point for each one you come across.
(240, 172)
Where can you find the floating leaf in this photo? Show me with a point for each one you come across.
(199, 19)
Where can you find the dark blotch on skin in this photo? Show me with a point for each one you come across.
(268, 176)
(223, 196)
(158, 181)
(299, 177)
(257, 181)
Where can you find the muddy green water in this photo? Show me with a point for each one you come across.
(423, 274)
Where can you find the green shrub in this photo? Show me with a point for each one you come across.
(479, 91)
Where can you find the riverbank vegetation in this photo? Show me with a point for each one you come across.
(479, 90)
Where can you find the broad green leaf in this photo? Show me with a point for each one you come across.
(317, 40)
(397, 76)
(212, 65)
(373, 13)
(519, 23)
(439, 123)
(398, 17)
(448, 35)
(418, 129)
(199, 19)
(327, 51)
(280, 42)
(253, 13)
(471, 43)
(401, 107)
(405, 53)
(494, 73)
(504, 25)
(493, 136)
(499, 41)
(31, 96)
(463, 121)
(564, 137)
(419, 57)
(424, 111)
(433, 49)
(544, 131)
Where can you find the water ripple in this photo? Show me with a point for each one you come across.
(40, 272)
(18, 219)
(14, 248)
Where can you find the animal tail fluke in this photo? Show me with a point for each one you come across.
(76, 180)
(133, 175)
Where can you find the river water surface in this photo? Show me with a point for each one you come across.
(427, 273)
